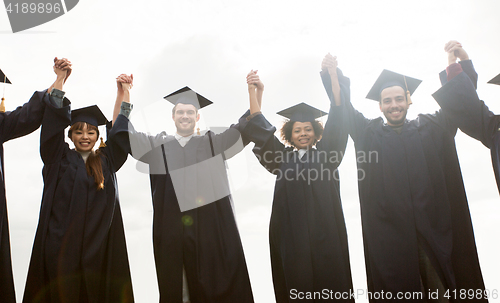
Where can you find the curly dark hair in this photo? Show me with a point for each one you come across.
(286, 130)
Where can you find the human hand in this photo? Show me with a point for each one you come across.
(62, 68)
(124, 82)
(455, 50)
(253, 81)
(330, 64)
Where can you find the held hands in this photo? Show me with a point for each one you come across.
(455, 50)
(330, 63)
(255, 91)
(62, 68)
(254, 82)
(124, 82)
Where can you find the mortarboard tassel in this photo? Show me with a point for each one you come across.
(2, 105)
(198, 131)
(408, 99)
(102, 145)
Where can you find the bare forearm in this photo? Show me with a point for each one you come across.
(121, 96)
(254, 103)
(259, 97)
(57, 84)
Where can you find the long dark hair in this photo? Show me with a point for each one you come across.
(93, 164)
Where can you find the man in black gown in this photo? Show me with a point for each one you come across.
(487, 127)
(417, 229)
(198, 252)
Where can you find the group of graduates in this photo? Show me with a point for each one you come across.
(417, 229)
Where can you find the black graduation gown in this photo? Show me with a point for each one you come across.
(22, 121)
(79, 252)
(205, 240)
(411, 193)
(459, 102)
(307, 233)
(495, 150)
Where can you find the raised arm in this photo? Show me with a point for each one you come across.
(330, 64)
(455, 51)
(27, 118)
(255, 91)
(354, 122)
(57, 116)
(335, 134)
(124, 84)
(268, 149)
(62, 68)
(232, 141)
(118, 141)
(462, 107)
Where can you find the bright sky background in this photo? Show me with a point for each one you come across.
(211, 46)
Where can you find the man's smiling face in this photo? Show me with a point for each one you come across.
(185, 118)
(394, 105)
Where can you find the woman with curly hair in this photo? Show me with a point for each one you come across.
(307, 233)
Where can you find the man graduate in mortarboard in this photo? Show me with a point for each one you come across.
(417, 231)
(197, 247)
(14, 124)
(470, 114)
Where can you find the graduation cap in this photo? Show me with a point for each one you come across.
(5, 80)
(495, 80)
(186, 95)
(302, 113)
(91, 115)
(388, 79)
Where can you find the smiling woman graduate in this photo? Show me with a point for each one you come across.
(307, 232)
(79, 253)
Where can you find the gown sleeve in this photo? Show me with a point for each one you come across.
(467, 67)
(459, 101)
(24, 119)
(118, 142)
(55, 120)
(335, 134)
(268, 149)
(231, 141)
(354, 123)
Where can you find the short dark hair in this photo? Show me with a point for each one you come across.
(286, 130)
(380, 95)
(175, 106)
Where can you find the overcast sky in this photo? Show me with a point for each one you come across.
(211, 46)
